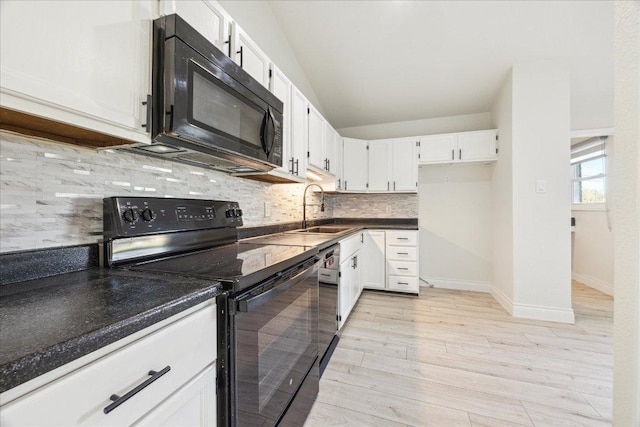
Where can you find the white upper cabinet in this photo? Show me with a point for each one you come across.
(316, 138)
(354, 166)
(87, 64)
(438, 148)
(477, 146)
(380, 165)
(248, 55)
(330, 138)
(405, 165)
(280, 86)
(459, 147)
(338, 162)
(206, 16)
(299, 132)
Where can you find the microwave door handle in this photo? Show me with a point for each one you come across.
(250, 304)
(264, 131)
(268, 122)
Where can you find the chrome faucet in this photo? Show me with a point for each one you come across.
(304, 203)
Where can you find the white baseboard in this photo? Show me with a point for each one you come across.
(592, 282)
(461, 285)
(550, 314)
(502, 299)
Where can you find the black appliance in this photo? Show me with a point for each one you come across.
(267, 316)
(328, 296)
(205, 109)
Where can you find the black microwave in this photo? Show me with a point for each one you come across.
(205, 109)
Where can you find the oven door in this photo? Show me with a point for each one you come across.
(275, 346)
(206, 106)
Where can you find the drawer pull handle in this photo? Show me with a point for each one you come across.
(403, 253)
(119, 400)
(402, 238)
(325, 275)
(403, 283)
(402, 268)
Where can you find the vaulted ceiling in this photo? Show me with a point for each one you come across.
(373, 62)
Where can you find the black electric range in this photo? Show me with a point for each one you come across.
(267, 367)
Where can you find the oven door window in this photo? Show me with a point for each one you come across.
(276, 344)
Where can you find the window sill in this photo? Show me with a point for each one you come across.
(598, 207)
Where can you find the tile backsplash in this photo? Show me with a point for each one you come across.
(51, 193)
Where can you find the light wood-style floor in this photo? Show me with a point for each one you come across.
(456, 358)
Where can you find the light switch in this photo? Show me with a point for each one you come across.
(541, 186)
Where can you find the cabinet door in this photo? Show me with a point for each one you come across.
(82, 63)
(405, 165)
(249, 56)
(380, 165)
(299, 133)
(329, 149)
(474, 146)
(194, 405)
(373, 260)
(354, 164)
(206, 16)
(316, 138)
(357, 278)
(345, 290)
(280, 86)
(338, 162)
(438, 148)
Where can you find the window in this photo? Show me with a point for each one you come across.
(588, 171)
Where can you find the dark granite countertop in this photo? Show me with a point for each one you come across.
(51, 321)
(56, 306)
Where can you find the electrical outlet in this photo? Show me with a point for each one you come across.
(316, 209)
(267, 209)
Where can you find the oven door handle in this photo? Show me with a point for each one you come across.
(249, 304)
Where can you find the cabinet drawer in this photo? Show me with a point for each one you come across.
(403, 268)
(351, 244)
(79, 398)
(402, 238)
(403, 284)
(402, 253)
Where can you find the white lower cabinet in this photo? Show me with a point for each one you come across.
(402, 261)
(374, 272)
(192, 405)
(390, 260)
(350, 286)
(176, 365)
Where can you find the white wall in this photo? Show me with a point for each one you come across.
(531, 233)
(541, 238)
(462, 123)
(625, 209)
(502, 198)
(455, 236)
(592, 250)
(257, 19)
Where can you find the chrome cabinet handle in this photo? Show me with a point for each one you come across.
(460, 154)
(402, 253)
(453, 155)
(119, 400)
(297, 171)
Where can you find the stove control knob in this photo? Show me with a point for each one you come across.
(131, 216)
(229, 213)
(148, 215)
(239, 212)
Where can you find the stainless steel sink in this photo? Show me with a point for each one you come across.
(326, 229)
